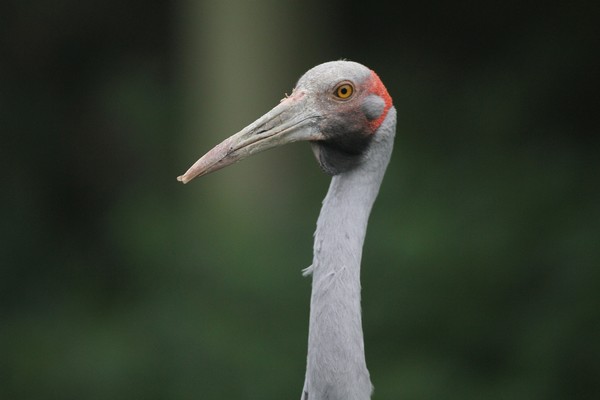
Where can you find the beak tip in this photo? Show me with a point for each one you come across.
(182, 179)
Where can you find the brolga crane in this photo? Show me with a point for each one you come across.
(343, 109)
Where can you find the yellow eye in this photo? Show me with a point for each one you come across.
(344, 91)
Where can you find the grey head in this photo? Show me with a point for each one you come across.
(352, 103)
(337, 106)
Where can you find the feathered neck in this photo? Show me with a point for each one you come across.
(336, 366)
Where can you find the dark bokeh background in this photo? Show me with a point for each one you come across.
(481, 275)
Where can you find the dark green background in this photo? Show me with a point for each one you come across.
(481, 274)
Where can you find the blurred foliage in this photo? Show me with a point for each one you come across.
(481, 270)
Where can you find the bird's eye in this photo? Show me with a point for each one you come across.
(344, 91)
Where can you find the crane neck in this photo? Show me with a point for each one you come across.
(336, 366)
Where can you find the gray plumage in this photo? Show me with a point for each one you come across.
(336, 367)
(343, 109)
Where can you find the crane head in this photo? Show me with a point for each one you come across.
(337, 106)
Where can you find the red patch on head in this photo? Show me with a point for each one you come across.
(377, 88)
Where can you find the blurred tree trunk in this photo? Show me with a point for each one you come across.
(237, 61)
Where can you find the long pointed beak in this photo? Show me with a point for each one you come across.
(288, 122)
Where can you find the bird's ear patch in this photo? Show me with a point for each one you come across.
(373, 107)
(379, 90)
